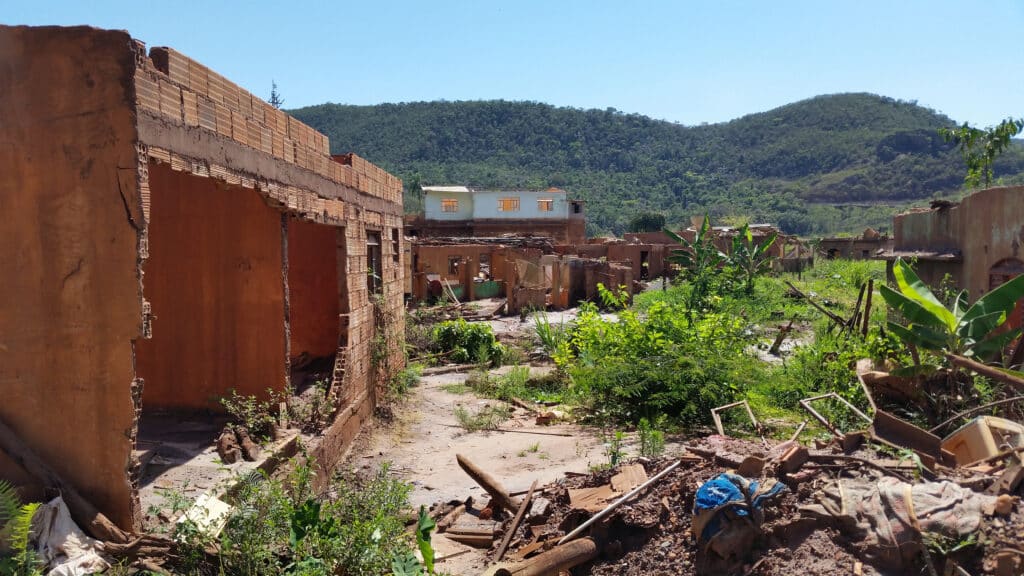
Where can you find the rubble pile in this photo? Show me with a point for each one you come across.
(731, 506)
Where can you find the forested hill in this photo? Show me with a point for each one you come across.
(828, 164)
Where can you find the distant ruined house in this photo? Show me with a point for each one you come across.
(462, 211)
(869, 245)
(977, 242)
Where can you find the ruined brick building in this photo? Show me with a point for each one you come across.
(978, 242)
(468, 212)
(168, 236)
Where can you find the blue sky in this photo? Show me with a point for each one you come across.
(689, 62)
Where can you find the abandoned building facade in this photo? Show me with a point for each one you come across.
(171, 237)
(463, 211)
(977, 242)
(869, 245)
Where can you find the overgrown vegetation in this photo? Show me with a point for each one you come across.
(464, 342)
(661, 361)
(282, 526)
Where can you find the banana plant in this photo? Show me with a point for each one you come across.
(750, 259)
(699, 260)
(969, 331)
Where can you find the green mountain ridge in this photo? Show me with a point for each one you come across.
(828, 164)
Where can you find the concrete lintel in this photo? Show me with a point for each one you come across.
(198, 143)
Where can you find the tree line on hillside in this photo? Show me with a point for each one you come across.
(823, 165)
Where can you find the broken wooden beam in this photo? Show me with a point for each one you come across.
(854, 321)
(489, 484)
(777, 344)
(510, 532)
(448, 519)
(559, 558)
(477, 536)
(82, 511)
(833, 317)
(987, 371)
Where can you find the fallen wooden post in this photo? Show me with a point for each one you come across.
(617, 503)
(510, 431)
(833, 317)
(987, 371)
(82, 511)
(559, 558)
(523, 404)
(515, 523)
(777, 345)
(488, 483)
(449, 519)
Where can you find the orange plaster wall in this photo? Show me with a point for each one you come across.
(68, 256)
(313, 288)
(214, 279)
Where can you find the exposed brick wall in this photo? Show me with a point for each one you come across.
(171, 85)
(90, 113)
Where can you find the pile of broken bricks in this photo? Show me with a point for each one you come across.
(638, 517)
(234, 443)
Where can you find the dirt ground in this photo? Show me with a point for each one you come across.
(422, 439)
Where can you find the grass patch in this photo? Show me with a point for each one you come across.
(517, 383)
(487, 418)
(457, 388)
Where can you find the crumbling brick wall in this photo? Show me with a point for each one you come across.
(87, 116)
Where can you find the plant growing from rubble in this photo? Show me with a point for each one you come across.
(972, 331)
(283, 526)
(652, 438)
(255, 415)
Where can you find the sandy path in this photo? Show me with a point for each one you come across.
(421, 443)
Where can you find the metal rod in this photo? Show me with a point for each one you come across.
(617, 503)
(977, 409)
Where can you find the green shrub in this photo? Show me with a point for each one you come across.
(467, 342)
(659, 362)
(284, 527)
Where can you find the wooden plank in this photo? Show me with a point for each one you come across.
(591, 499)
(629, 477)
(515, 523)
